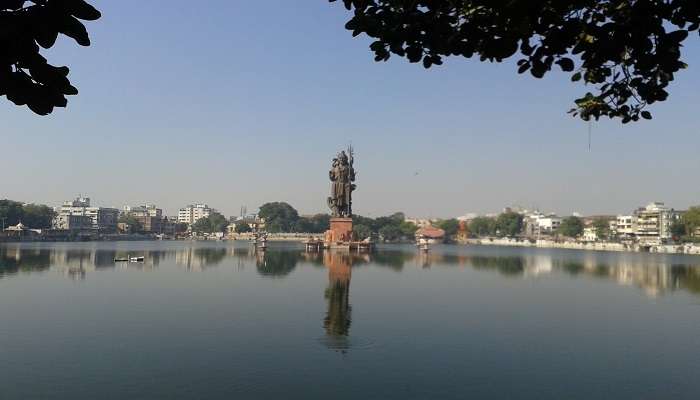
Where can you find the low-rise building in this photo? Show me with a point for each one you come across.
(149, 218)
(170, 226)
(589, 234)
(19, 231)
(254, 222)
(73, 222)
(150, 224)
(537, 223)
(431, 234)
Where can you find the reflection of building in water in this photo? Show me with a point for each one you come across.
(338, 315)
(197, 259)
(535, 265)
(72, 262)
(14, 259)
(655, 278)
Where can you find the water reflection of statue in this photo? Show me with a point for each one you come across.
(342, 176)
(276, 263)
(338, 317)
(424, 258)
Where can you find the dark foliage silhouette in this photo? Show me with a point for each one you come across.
(629, 50)
(26, 77)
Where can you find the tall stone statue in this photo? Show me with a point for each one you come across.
(342, 175)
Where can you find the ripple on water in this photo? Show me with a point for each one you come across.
(345, 343)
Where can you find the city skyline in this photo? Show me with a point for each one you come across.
(256, 125)
(245, 210)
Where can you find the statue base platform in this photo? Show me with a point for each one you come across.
(340, 230)
(340, 237)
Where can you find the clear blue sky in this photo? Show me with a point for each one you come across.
(238, 103)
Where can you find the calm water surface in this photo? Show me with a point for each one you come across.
(216, 321)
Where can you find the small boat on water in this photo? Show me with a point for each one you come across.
(130, 259)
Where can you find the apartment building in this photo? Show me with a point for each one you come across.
(103, 218)
(148, 210)
(653, 223)
(622, 226)
(193, 212)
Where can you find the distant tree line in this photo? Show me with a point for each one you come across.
(571, 227)
(282, 217)
(686, 228)
(505, 224)
(215, 222)
(34, 216)
(390, 228)
(509, 224)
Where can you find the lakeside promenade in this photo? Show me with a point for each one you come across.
(682, 248)
(277, 237)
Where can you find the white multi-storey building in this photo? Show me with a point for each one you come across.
(193, 212)
(623, 226)
(148, 210)
(537, 223)
(102, 218)
(653, 222)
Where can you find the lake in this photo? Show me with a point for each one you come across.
(208, 320)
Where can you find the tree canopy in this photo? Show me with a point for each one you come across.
(279, 217)
(678, 229)
(132, 222)
(691, 220)
(629, 50)
(450, 226)
(602, 227)
(32, 215)
(390, 232)
(215, 222)
(509, 224)
(242, 227)
(318, 223)
(391, 228)
(361, 231)
(26, 77)
(482, 226)
(571, 227)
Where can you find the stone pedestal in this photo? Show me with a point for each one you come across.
(340, 231)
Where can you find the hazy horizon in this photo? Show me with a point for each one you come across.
(184, 104)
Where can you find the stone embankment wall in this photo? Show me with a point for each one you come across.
(687, 248)
(286, 237)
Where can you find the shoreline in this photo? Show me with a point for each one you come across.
(684, 248)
